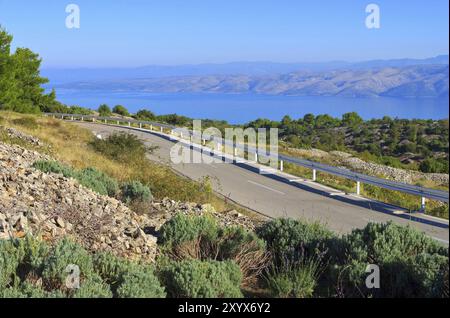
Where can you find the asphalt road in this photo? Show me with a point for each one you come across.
(277, 196)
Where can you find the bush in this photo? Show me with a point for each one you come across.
(287, 237)
(298, 280)
(104, 110)
(202, 279)
(90, 177)
(410, 262)
(198, 237)
(123, 147)
(98, 181)
(27, 122)
(135, 191)
(29, 268)
(55, 167)
(128, 279)
(182, 228)
(120, 110)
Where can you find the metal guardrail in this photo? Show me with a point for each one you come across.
(423, 192)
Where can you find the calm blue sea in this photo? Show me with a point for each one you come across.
(243, 108)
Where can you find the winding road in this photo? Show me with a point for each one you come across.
(279, 195)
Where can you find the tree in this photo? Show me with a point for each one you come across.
(20, 80)
(120, 110)
(145, 114)
(351, 119)
(7, 95)
(104, 110)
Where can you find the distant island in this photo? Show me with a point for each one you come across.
(426, 78)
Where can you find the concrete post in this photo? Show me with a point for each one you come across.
(314, 175)
(105, 121)
(281, 165)
(151, 127)
(140, 125)
(93, 119)
(71, 118)
(161, 129)
(358, 187)
(423, 204)
(256, 157)
(235, 151)
(129, 124)
(82, 119)
(117, 122)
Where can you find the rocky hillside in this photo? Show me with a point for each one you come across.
(52, 206)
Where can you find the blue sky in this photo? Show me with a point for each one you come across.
(136, 32)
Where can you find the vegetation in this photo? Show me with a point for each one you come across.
(30, 268)
(104, 110)
(189, 237)
(120, 110)
(411, 265)
(193, 278)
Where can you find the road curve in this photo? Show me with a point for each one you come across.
(275, 196)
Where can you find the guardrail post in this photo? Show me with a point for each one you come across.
(422, 204)
(314, 175)
(358, 187)
(281, 165)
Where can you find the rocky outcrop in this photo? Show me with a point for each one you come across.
(14, 133)
(52, 206)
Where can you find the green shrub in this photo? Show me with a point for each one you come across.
(299, 281)
(90, 177)
(135, 191)
(120, 110)
(287, 237)
(55, 167)
(27, 122)
(98, 181)
(182, 228)
(128, 279)
(29, 268)
(104, 110)
(122, 147)
(65, 253)
(202, 279)
(409, 261)
(93, 287)
(199, 237)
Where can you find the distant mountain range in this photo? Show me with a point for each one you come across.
(396, 78)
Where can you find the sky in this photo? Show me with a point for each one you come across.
(127, 33)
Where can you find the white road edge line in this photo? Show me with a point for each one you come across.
(265, 187)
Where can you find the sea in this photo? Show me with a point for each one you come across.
(242, 108)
